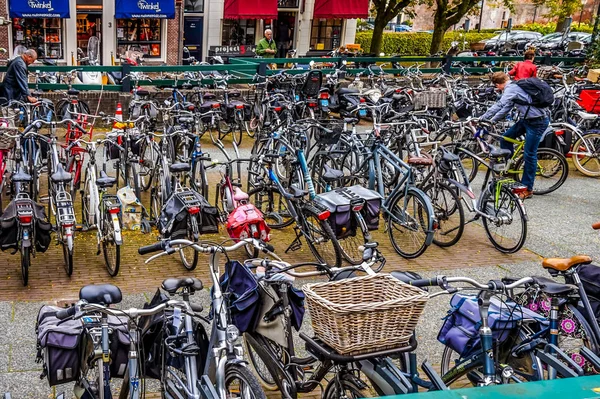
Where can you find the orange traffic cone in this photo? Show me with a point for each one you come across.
(118, 117)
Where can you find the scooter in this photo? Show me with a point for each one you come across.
(343, 100)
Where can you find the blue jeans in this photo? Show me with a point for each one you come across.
(533, 129)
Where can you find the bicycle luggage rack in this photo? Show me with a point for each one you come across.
(24, 205)
(189, 199)
(64, 207)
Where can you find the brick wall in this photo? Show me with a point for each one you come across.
(174, 34)
(4, 29)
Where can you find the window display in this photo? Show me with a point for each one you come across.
(237, 32)
(42, 34)
(326, 34)
(142, 35)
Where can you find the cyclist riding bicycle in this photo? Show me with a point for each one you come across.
(533, 121)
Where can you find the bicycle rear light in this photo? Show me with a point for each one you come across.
(324, 215)
(193, 210)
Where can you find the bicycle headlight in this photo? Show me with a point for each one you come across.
(232, 333)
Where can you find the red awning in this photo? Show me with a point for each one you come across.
(348, 9)
(246, 9)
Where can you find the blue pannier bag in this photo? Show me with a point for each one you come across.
(460, 331)
(241, 288)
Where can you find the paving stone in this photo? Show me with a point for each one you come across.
(23, 356)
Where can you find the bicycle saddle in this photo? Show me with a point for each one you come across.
(351, 121)
(102, 294)
(209, 96)
(332, 175)
(424, 159)
(564, 264)
(450, 157)
(496, 152)
(21, 177)
(345, 90)
(142, 92)
(180, 167)
(171, 285)
(105, 181)
(551, 287)
(61, 175)
(73, 92)
(296, 192)
(239, 194)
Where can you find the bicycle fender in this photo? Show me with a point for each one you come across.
(117, 228)
(430, 210)
(462, 188)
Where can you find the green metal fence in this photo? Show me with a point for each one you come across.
(244, 69)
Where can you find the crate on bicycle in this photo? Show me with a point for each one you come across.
(364, 314)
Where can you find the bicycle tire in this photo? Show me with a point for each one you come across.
(416, 217)
(199, 179)
(148, 166)
(586, 154)
(257, 363)
(446, 205)
(350, 390)
(190, 262)
(507, 204)
(248, 388)
(112, 263)
(321, 236)
(68, 257)
(237, 133)
(272, 204)
(559, 170)
(349, 245)
(451, 377)
(25, 264)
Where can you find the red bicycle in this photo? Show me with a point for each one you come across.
(75, 154)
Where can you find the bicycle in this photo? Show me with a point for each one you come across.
(225, 361)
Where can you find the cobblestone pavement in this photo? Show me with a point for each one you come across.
(559, 224)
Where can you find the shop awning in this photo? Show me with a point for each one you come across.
(347, 9)
(248, 9)
(39, 9)
(144, 9)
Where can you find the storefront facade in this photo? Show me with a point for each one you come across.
(101, 31)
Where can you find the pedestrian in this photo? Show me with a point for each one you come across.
(525, 69)
(266, 46)
(15, 84)
(283, 38)
(532, 121)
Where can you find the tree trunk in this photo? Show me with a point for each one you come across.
(560, 25)
(377, 40)
(436, 38)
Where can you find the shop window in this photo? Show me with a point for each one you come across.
(237, 32)
(143, 35)
(326, 34)
(288, 3)
(88, 36)
(43, 34)
(193, 6)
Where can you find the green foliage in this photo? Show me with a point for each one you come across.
(550, 27)
(416, 43)
(561, 8)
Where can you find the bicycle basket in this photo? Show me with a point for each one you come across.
(330, 138)
(364, 314)
(430, 99)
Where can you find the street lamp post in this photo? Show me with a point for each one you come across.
(480, 16)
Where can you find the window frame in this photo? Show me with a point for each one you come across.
(325, 37)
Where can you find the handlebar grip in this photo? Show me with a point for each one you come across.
(268, 248)
(424, 282)
(65, 313)
(159, 246)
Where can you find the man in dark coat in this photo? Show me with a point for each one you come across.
(15, 80)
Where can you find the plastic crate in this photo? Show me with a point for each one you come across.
(588, 99)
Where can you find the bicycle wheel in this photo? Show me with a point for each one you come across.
(110, 249)
(188, 255)
(552, 171)
(408, 221)
(147, 165)
(349, 245)
(199, 178)
(320, 164)
(67, 255)
(507, 227)
(586, 154)
(321, 239)
(350, 388)
(133, 179)
(25, 263)
(241, 383)
(88, 206)
(526, 368)
(273, 206)
(449, 214)
(257, 363)
(237, 133)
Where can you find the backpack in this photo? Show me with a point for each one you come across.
(540, 92)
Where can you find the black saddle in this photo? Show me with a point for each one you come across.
(171, 285)
(345, 90)
(61, 175)
(332, 175)
(105, 181)
(142, 93)
(21, 177)
(73, 92)
(450, 157)
(296, 192)
(351, 121)
(101, 294)
(496, 152)
(180, 167)
(551, 287)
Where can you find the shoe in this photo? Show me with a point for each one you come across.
(525, 194)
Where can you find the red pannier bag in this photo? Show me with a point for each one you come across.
(247, 222)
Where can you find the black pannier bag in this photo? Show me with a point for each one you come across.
(9, 226)
(58, 344)
(113, 152)
(119, 346)
(372, 208)
(550, 139)
(173, 219)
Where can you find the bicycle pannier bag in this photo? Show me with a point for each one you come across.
(590, 278)
(372, 208)
(58, 345)
(247, 222)
(43, 228)
(341, 220)
(119, 346)
(460, 331)
(173, 220)
(559, 140)
(540, 92)
(9, 228)
(244, 298)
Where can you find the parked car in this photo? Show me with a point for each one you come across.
(515, 40)
(559, 41)
(403, 28)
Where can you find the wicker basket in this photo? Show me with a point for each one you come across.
(430, 99)
(364, 314)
